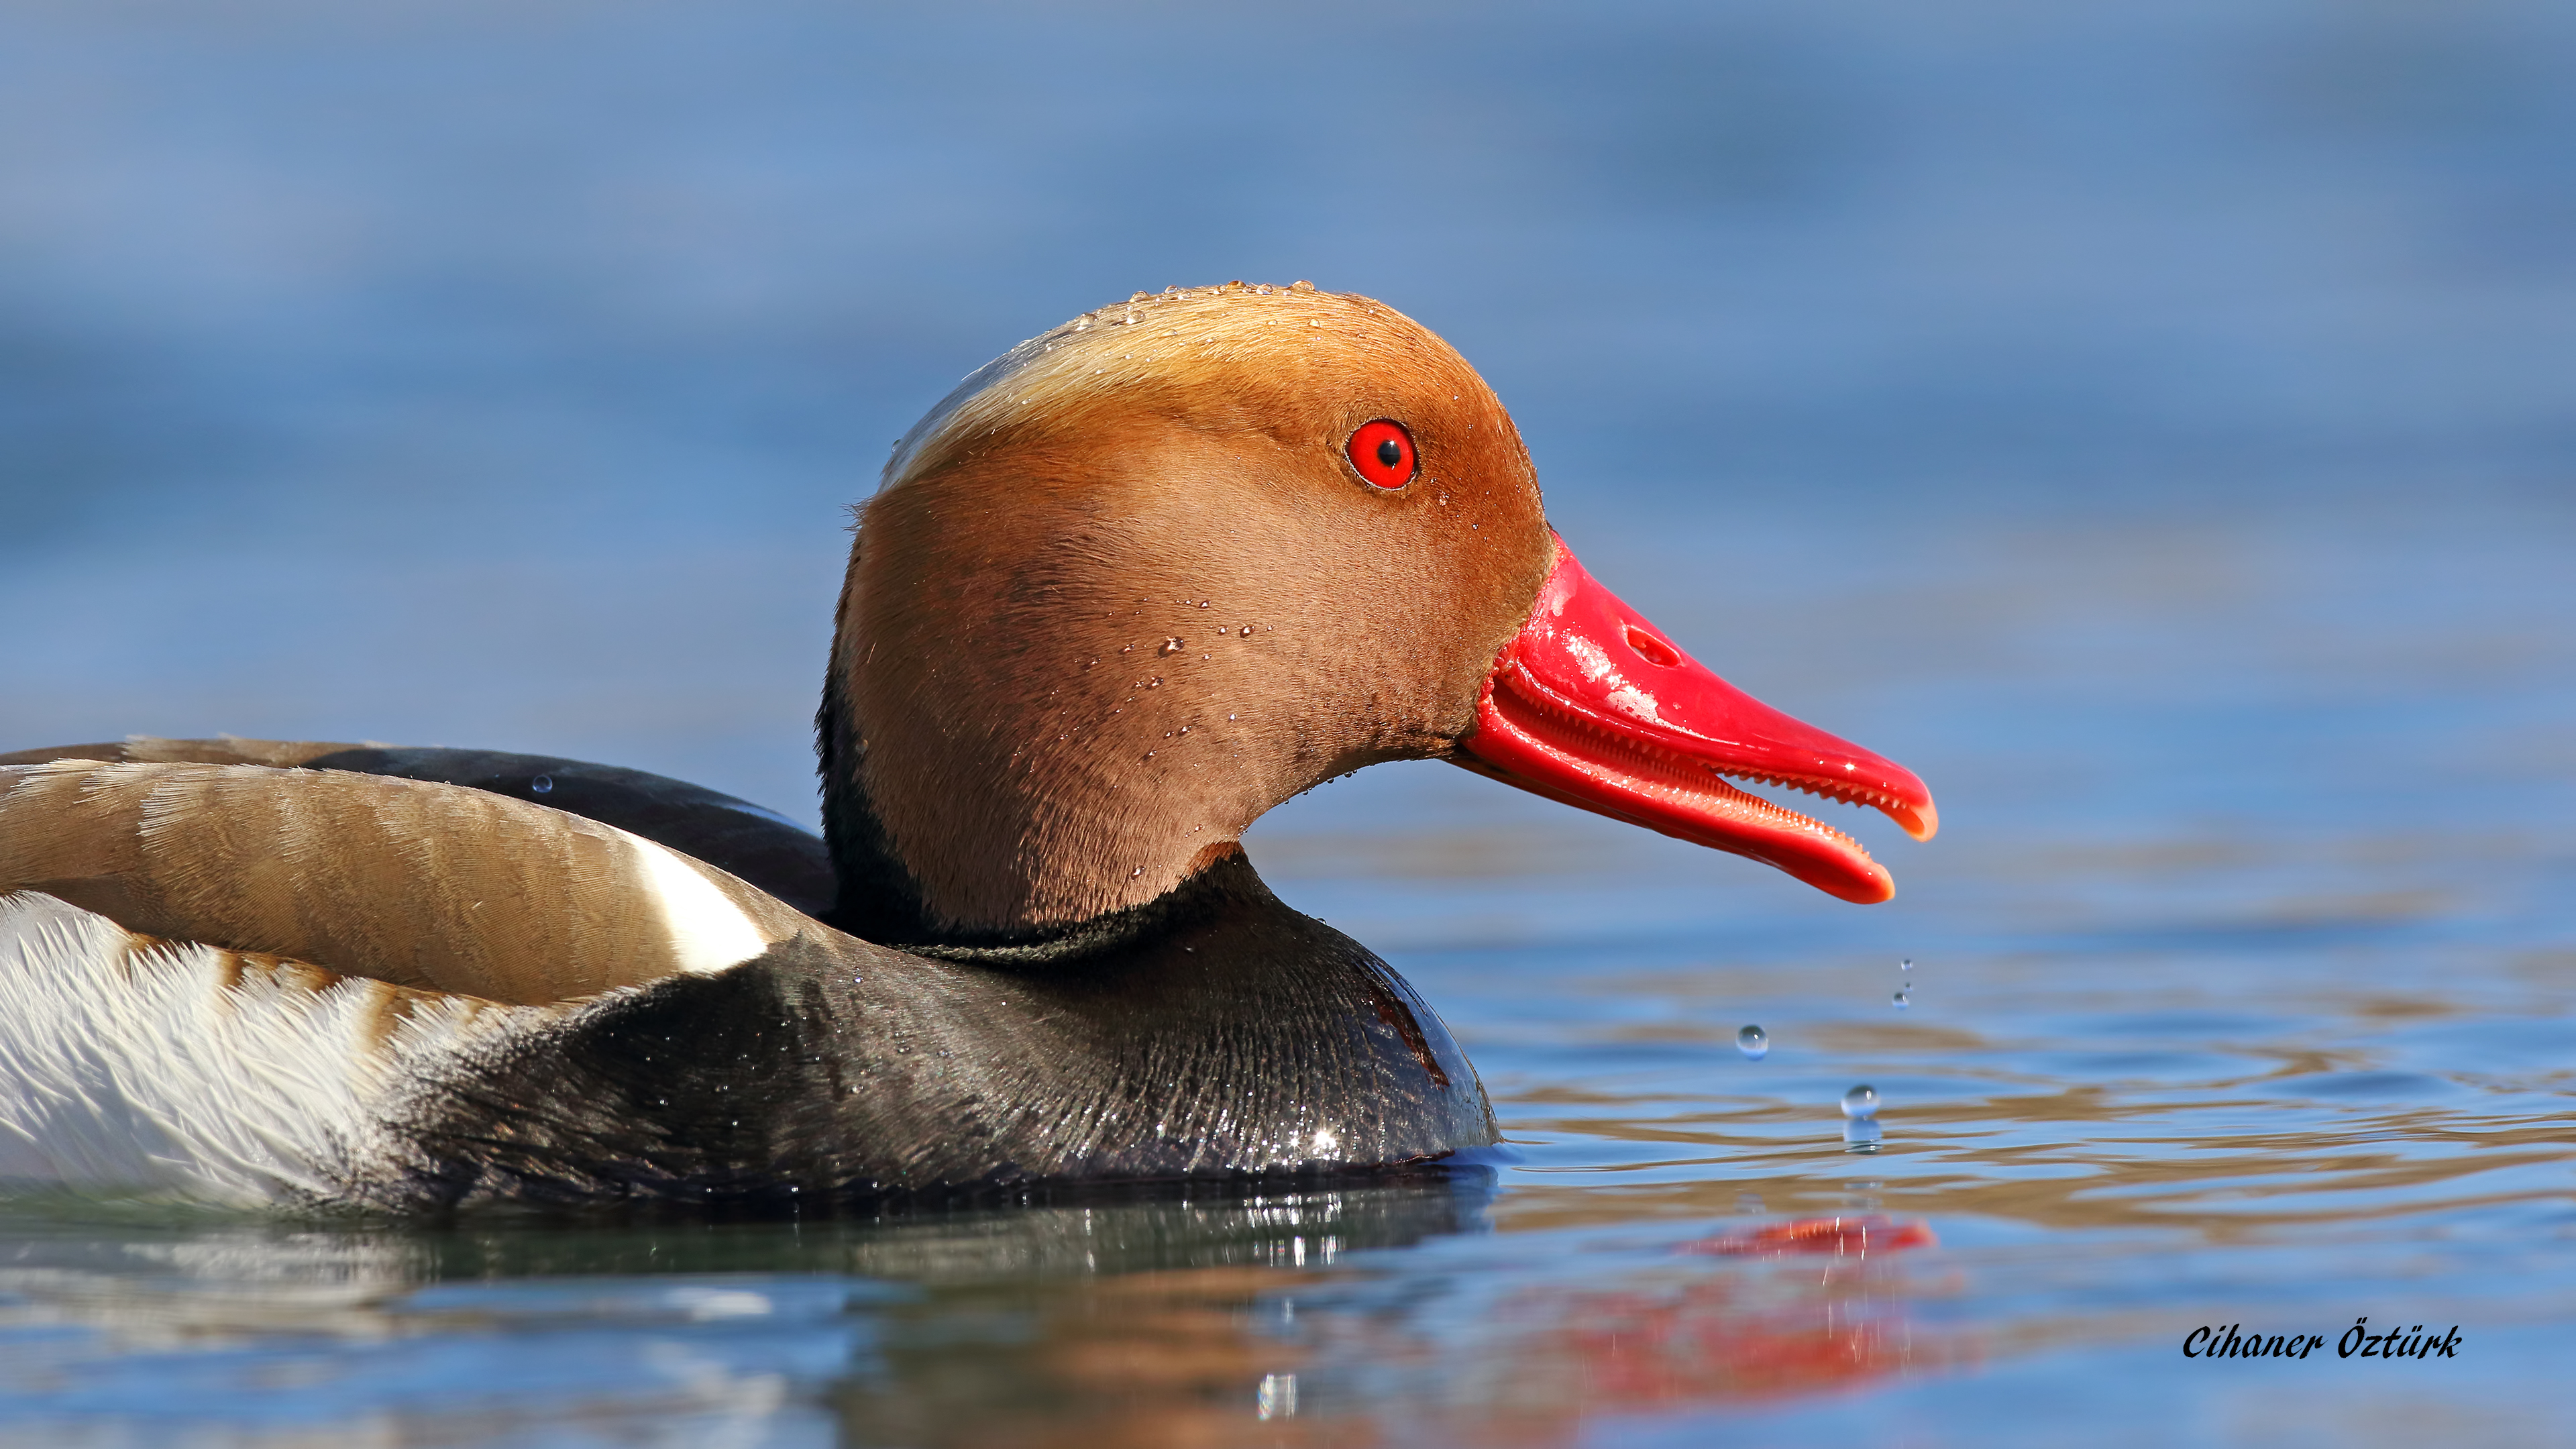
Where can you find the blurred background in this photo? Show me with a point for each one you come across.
(2154, 423)
(498, 374)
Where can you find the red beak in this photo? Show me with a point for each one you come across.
(1592, 705)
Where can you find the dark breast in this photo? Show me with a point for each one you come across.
(833, 1071)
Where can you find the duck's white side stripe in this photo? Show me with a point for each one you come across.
(129, 1064)
(708, 932)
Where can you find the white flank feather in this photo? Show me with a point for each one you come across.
(132, 1065)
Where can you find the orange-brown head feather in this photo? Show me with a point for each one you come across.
(1123, 592)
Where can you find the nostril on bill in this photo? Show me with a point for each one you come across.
(1652, 649)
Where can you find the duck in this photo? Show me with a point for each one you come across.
(1127, 587)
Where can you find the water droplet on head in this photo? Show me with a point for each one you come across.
(1171, 646)
(1247, 631)
(543, 784)
(1861, 1101)
(1154, 683)
(1754, 1042)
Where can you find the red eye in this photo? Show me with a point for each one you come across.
(1383, 452)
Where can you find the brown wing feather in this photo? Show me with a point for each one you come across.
(732, 835)
(424, 885)
(221, 750)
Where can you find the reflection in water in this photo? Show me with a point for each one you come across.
(1169, 1318)
(1376, 1353)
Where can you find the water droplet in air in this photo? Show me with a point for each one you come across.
(1861, 1101)
(1905, 965)
(1903, 998)
(1171, 646)
(543, 784)
(1754, 1042)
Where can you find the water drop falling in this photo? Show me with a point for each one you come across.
(1904, 997)
(1905, 965)
(1754, 1042)
(1861, 1101)
(1170, 646)
(542, 785)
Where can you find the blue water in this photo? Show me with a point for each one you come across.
(2152, 423)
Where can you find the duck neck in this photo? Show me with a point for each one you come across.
(880, 896)
(1057, 761)
(875, 897)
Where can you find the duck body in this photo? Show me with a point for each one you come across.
(1215, 1032)
(1229, 1037)
(1130, 585)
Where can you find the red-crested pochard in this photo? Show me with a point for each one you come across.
(1130, 585)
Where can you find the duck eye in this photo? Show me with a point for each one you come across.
(1383, 452)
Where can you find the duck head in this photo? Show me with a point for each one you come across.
(1149, 574)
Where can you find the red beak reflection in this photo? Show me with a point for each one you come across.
(1592, 705)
